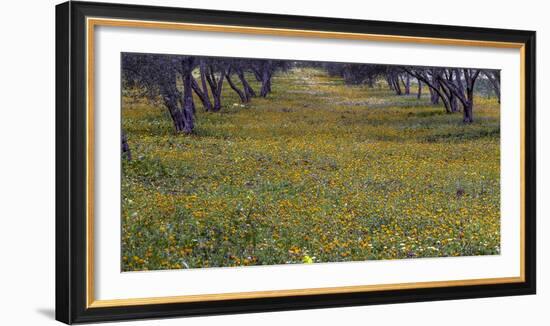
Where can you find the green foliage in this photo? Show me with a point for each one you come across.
(316, 172)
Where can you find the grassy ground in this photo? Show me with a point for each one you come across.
(317, 172)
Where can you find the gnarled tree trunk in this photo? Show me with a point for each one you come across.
(126, 147)
(170, 98)
(202, 93)
(463, 89)
(234, 87)
(407, 84)
(216, 85)
(248, 90)
(266, 78)
(188, 104)
(494, 78)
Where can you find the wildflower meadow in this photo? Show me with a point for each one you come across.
(318, 169)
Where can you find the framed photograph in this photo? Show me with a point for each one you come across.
(212, 162)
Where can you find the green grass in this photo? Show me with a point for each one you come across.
(317, 170)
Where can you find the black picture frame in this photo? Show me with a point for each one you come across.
(71, 156)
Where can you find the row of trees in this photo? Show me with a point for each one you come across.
(452, 86)
(174, 80)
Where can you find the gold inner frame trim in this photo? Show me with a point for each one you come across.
(92, 22)
(299, 292)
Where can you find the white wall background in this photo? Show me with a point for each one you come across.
(27, 161)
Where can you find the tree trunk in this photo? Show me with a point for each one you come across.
(390, 82)
(266, 79)
(126, 147)
(435, 95)
(453, 102)
(206, 102)
(217, 102)
(494, 78)
(468, 113)
(469, 105)
(471, 76)
(202, 96)
(171, 103)
(241, 94)
(216, 85)
(407, 84)
(218, 96)
(171, 97)
(257, 74)
(248, 90)
(188, 104)
(396, 86)
(448, 98)
(178, 121)
(446, 102)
